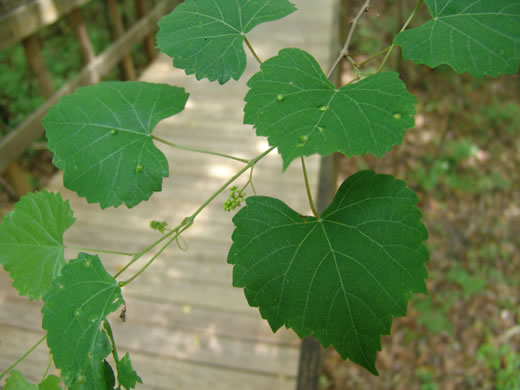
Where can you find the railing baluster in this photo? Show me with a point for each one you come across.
(118, 30)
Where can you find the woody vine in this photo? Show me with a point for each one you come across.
(341, 275)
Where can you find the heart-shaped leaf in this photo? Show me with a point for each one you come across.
(75, 306)
(292, 102)
(342, 277)
(479, 37)
(205, 37)
(101, 139)
(31, 242)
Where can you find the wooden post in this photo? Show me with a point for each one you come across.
(37, 65)
(118, 30)
(87, 51)
(149, 40)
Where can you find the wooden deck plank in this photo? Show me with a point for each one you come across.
(158, 372)
(187, 327)
(206, 347)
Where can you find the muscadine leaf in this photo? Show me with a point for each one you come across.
(17, 381)
(479, 37)
(292, 102)
(126, 374)
(342, 277)
(101, 137)
(31, 241)
(205, 37)
(79, 300)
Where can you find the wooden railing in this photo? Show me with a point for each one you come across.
(23, 23)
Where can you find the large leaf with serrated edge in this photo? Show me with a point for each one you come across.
(479, 37)
(206, 37)
(342, 277)
(80, 299)
(31, 241)
(292, 102)
(101, 137)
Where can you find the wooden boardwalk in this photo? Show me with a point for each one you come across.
(187, 327)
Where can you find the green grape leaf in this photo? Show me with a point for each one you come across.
(17, 381)
(109, 379)
(292, 102)
(74, 308)
(101, 137)
(31, 242)
(205, 37)
(52, 382)
(126, 374)
(342, 277)
(478, 37)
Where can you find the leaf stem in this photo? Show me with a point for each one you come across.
(188, 221)
(308, 188)
(196, 150)
(47, 369)
(372, 57)
(345, 49)
(389, 50)
(253, 51)
(99, 250)
(110, 334)
(22, 357)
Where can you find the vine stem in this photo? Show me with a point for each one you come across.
(196, 150)
(345, 49)
(145, 250)
(308, 188)
(188, 221)
(389, 50)
(99, 250)
(22, 357)
(253, 51)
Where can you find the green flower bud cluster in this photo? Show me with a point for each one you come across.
(159, 226)
(235, 198)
